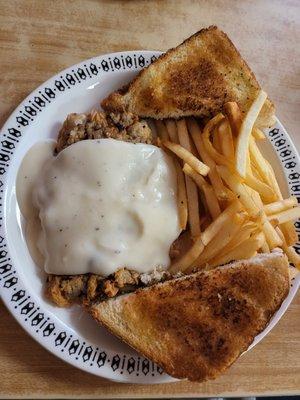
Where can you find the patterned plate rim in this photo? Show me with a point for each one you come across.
(45, 328)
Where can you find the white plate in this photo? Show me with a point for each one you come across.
(70, 333)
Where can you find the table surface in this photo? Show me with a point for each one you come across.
(40, 38)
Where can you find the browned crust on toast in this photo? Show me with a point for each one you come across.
(192, 80)
(195, 327)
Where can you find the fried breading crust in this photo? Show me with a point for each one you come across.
(98, 125)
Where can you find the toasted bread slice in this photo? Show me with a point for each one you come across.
(196, 326)
(196, 78)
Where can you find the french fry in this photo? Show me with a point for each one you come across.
(291, 214)
(252, 203)
(213, 176)
(181, 196)
(288, 227)
(263, 167)
(258, 160)
(265, 247)
(245, 132)
(268, 175)
(191, 188)
(219, 224)
(245, 232)
(290, 234)
(258, 134)
(257, 218)
(183, 135)
(280, 205)
(245, 250)
(172, 130)
(193, 207)
(216, 140)
(189, 258)
(273, 181)
(161, 130)
(234, 115)
(187, 157)
(235, 184)
(293, 257)
(211, 199)
(272, 238)
(214, 154)
(221, 239)
(255, 172)
(265, 191)
(226, 140)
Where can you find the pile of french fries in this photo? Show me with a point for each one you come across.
(228, 195)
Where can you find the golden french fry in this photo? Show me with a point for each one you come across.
(234, 115)
(220, 223)
(273, 181)
(189, 258)
(211, 199)
(214, 154)
(183, 135)
(193, 207)
(216, 140)
(264, 168)
(265, 247)
(161, 130)
(258, 134)
(291, 214)
(256, 173)
(252, 203)
(267, 173)
(187, 157)
(221, 239)
(181, 196)
(244, 250)
(265, 191)
(246, 231)
(172, 130)
(191, 188)
(280, 205)
(235, 184)
(290, 234)
(258, 160)
(287, 228)
(226, 140)
(198, 179)
(272, 238)
(245, 132)
(216, 181)
(293, 257)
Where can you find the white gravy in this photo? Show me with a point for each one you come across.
(103, 204)
(28, 174)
